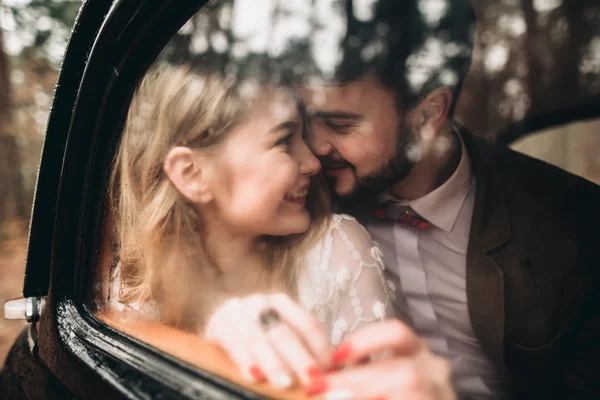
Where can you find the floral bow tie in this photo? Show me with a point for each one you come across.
(393, 211)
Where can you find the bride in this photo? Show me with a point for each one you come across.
(224, 227)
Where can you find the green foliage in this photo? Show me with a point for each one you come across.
(42, 26)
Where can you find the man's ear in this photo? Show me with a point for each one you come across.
(189, 174)
(434, 111)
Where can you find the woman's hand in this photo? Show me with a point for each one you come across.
(271, 338)
(409, 370)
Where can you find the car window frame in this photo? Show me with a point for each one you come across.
(586, 111)
(107, 56)
(111, 47)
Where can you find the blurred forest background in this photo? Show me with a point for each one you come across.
(536, 67)
(33, 37)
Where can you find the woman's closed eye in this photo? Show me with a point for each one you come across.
(285, 141)
(285, 133)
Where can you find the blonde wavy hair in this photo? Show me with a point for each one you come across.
(161, 256)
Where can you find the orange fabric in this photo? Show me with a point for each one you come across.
(193, 350)
(188, 347)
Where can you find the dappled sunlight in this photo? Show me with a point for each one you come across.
(433, 11)
(530, 42)
(422, 63)
(364, 10)
(512, 25)
(590, 62)
(25, 26)
(496, 58)
(307, 40)
(542, 6)
(525, 54)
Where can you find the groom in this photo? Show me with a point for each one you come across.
(491, 255)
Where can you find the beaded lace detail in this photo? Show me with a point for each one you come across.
(342, 282)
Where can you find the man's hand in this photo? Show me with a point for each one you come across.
(409, 370)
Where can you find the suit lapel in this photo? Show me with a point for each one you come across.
(490, 228)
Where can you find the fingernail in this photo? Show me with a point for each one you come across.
(257, 374)
(282, 380)
(341, 353)
(339, 395)
(318, 385)
(314, 373)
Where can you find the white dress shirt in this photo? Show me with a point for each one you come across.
(427, 270)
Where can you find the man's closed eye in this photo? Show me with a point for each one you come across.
(339, 128)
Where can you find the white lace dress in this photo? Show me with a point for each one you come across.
(343, 283)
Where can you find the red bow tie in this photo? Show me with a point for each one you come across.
(395, 212)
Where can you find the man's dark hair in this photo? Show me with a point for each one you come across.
(410, 47)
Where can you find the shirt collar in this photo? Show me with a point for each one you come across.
(442, 205)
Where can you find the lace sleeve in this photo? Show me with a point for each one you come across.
(343, 282)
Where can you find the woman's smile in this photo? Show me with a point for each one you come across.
(299, 196)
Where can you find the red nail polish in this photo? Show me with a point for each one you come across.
(257, 374)
(314, 373)
(341, 353)
(316, 386)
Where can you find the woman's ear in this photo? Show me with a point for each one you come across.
(189, 174)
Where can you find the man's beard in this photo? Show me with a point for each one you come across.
(393, 171)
